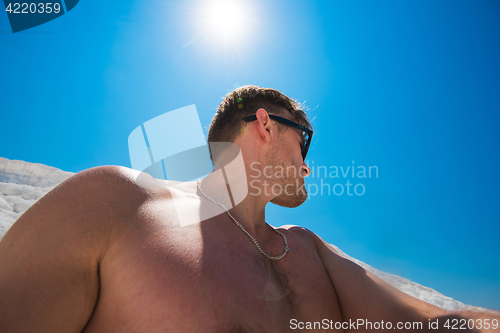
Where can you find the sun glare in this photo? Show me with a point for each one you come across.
(226, 19)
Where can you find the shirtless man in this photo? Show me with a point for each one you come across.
(100, 253)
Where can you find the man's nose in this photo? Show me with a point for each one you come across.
(305, 170)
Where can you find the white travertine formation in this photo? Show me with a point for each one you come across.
(23, 183)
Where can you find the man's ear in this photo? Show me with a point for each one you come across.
(264, 124)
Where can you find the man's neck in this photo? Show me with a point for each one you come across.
(239, 198)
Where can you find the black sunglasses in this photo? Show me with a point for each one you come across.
(284, 121)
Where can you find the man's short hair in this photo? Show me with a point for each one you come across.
(228, 122)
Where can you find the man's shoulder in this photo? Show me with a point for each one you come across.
(107, 183)
(93, 198)
(108, 177)
(304, 233)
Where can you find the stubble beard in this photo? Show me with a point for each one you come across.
(291, 184)
(292, 196)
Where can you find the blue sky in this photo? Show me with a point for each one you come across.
(411, 87)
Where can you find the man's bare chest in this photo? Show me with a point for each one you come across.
(199, 279)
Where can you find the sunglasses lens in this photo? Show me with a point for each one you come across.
(306, 146)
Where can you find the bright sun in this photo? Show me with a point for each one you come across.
(226, 19)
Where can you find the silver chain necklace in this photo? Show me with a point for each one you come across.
(246, 232)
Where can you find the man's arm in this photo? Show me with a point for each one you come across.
(49, 258)
(364, 296)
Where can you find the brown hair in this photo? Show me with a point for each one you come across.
(228, 122)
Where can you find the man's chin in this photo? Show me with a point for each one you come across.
(289, 201)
